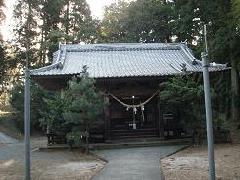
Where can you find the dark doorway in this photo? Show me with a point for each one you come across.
(122, 119)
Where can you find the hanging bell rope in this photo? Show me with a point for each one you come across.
(128, 106)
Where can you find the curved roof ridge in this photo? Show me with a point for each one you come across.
(134, 59)
(46, 68)
(56, 64)
(120, 47)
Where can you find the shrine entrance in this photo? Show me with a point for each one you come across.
(133, 117)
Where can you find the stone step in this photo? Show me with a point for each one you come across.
(133, 131)
(124, 137)
(145, 142)
(137, 133)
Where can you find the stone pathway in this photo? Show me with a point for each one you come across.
(49, 164)
(134, 163)
(4, 139)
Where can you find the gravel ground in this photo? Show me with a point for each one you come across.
(46, 165)
(192, 163)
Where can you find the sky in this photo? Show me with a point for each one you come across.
(96, 6)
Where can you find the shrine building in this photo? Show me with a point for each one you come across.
(129, 74)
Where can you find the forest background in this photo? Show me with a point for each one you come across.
(146, 21)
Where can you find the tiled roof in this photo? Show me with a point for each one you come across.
(124, 60)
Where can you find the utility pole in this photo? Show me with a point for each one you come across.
(208, 108)
(27, 104)
(27, 124)
(205, 38)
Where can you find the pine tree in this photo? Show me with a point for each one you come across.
(138, 21)
(65, 21)
(224, 40)
(3, 67)
(50, 15)
(77, 22)
(85, 107)
(236, 11)
(2, 15)
(2, 52)
(27, 36)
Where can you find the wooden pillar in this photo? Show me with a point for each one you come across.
(107, 118)
(160, 120)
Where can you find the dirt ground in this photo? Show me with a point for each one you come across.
(46, 170)
(192, 163)
(47, 164)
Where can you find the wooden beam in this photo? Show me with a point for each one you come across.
(107, 119)
(160, 120)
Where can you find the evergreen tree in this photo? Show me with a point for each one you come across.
(26, 36)
(2, 15)
(183, 20)
(113, 26)
(185, 91)
(224, 40)
(77, 22)
(38, 105)
(138, 21)
(50, 36)
(86, 104)
(3, 67)
(52, 114)
(236, 11)
(2, 52)
(52, 22)
(3, 55)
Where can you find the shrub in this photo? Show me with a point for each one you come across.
(52, 116)
(188, 96)
(36, 104)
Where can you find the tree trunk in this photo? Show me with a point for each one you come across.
(235, 91)
(41, 46)
(87, 139)
(67, 19)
